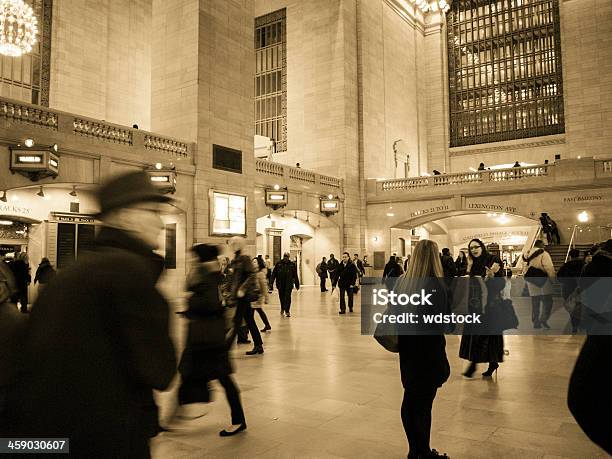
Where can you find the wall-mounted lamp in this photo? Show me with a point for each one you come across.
(41, 193)
(158, 166)
(276, 198)
(375, 238)
(3, 198)
(73, 192)
(583, 217)
(163, 179)
(276, 187)
(34, 163)
(329, 206)
(28, 143)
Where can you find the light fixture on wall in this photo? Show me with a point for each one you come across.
(28, 143)
(34, 162)
(3, 198)
(330, 205)
(583, 217)
(276, 198)
(295, 215)
(41, 192)
(73, 193)
(18, 28)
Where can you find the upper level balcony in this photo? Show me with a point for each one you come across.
(78, 135)
(563, 174)
(277, 173)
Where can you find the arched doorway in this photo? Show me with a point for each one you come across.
(306, 236)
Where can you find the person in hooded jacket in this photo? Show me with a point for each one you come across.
(206, 355)
(285, 275)
(482, 348)
(589, 397)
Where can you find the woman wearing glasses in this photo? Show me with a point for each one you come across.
(485, 284)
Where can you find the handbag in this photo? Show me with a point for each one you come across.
(533, 275)
(386, 335)
(536, 276)
(501, 316)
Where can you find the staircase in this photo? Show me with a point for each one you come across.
(559, 252)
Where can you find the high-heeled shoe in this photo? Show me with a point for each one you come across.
(233, 430)
(493, 366)
(470, 370)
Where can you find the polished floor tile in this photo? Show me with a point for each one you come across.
(321, 390)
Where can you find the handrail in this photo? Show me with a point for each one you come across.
(569, 247)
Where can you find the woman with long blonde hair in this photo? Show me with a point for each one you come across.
(423, 363)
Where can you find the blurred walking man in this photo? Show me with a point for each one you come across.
(98, 341)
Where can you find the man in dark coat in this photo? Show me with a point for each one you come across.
(332, 268)
(347, 276)
(21, 272)
(286, 276)
(98, 341)
(322, 273)
(589, 396)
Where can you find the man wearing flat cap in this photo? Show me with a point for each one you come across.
(98, 340)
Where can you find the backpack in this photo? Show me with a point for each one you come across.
(318, 269)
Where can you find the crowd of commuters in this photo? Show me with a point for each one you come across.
(99, 335)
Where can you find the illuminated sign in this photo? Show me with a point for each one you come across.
(35, 163)
(228, 214)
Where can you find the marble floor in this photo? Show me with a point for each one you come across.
(321, 390)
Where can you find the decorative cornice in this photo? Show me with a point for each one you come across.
(468, 151)
(410, 19)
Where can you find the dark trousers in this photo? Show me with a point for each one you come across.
(269, 279)
(245, 311)
(547, 303)
(323, 282)
(233, 398)
(334, 280)
(416, 418)
(554, 234)
(22, 297)
(348, 292)
(263, 316)
(285, 299)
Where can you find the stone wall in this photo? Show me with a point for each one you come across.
(101, 60)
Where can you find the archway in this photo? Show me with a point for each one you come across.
(505, 232)
(305, 235)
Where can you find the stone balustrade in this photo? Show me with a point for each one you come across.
(25, 113)
(296, 173)
(136, 140)
(537, 176)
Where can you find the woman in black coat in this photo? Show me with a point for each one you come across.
(589, 397)
(206, 355)
(423, 363)
(482, 348)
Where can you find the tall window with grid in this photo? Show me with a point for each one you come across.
(271, 77)
(26, 78)
(504, 70)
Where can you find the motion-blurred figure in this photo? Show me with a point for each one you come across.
(98, 342)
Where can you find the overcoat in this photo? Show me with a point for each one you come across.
(96, 347)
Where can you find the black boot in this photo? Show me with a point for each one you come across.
(470, 370)
(255, 350)
(493, 366)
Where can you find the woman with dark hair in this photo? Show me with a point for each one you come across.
(423, 363)
(260, 269)
(461, 264)
(482, 265)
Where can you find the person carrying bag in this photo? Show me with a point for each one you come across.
(539, 271)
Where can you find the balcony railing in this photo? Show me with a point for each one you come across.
(67, 123)
(296, 173)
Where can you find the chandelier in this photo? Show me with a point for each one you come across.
(18, 28)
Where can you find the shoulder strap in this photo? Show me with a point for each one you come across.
(535, 254)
